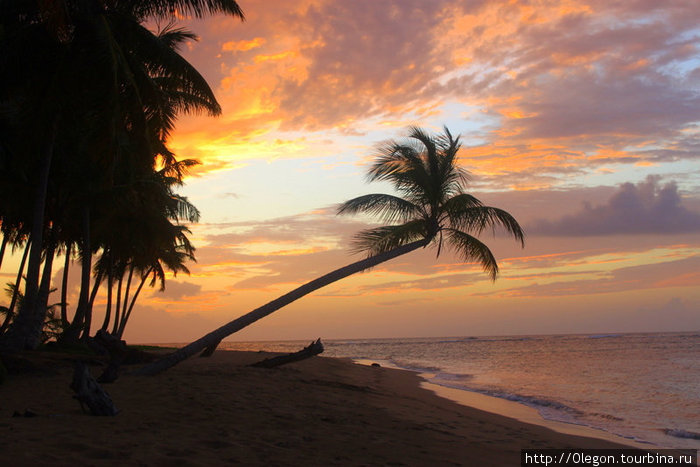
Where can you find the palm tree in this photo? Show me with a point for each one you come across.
(102, 92)
(171, 253)
(434, 209)
(140, 234)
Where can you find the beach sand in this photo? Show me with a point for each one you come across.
(218, 411)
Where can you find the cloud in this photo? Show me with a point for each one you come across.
(644, 208)
(365, 58)
(677, 273)
(175, 290)
(557, 90)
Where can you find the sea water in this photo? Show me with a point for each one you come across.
(644, 387)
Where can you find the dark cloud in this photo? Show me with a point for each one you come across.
(644, 208)
(589, 105)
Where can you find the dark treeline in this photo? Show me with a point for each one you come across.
(88, 97)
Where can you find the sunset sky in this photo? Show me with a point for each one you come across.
(581, 118)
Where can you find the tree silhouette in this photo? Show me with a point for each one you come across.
(433, 209)
(88, 97)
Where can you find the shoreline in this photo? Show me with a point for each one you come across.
(526, 414)
(513, 409)
(320, 411)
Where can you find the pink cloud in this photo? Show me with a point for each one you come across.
(666, 274)
(644, 208)
(576, 85)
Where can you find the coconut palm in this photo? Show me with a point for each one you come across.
(102, 92)
(434, 209)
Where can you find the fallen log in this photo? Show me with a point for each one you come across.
(312, 349)
(90, 394)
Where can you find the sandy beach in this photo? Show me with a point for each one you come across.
(219, 411)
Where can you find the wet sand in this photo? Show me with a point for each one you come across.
(218, 411)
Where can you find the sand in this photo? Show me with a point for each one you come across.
(218, 411)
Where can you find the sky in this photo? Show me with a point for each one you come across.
(581, 118)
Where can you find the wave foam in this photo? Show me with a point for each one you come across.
(676, 433)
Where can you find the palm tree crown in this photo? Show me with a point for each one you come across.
(434, 206)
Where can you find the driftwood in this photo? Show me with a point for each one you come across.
(117, 350)
(312, 349)
(119, 354)
(90, 394)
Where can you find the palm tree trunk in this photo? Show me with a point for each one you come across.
(44, 290)
(2, 248)
(117, 308)
(91, 302)
(64, 286)
(125, 318)
(125, 303)
(15, 292)
(18, 336)
(71, 334)
(226, 330)
(108, 309)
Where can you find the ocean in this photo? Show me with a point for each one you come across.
(644, 387)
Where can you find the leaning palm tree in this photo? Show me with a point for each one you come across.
(434, 209)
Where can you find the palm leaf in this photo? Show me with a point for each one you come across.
(386, 238)
(402, 166)
(173, 37)
(476, 219)
(386, 207)
(168, 8)
(472, 249)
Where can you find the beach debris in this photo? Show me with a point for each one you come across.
(90, 394)
(312, 349)
(119, 354)
(677, 433)
(116, 349)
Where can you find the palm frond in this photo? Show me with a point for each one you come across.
(163, 61)
(460, 203)
(472, 249)
(178, 169)
(454, 178)
(169, 8)
(183, 209)
(430, 158)
(174, 37)
(402, 165)
(386, 238)
(476, 219)
(388, 208)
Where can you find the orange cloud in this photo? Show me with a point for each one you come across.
(243, 46)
